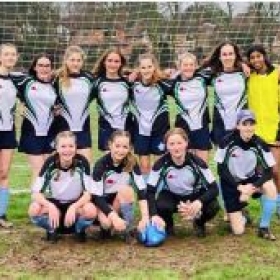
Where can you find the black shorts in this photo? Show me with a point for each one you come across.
(167, 203)
(83, 138)
(110, 198)
(231, 196)
(105, 131)
(63, 207)
(218, 133)
(149, 145)
(8, 139)
(199, 139)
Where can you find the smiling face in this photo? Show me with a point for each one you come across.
(246, 129)
(43, 69)
(74, 62)
(227, 57)
(177, 146)
(147, 69)
(257, 61)
(119, 148)
(8, 57)
(66, 149)
(112, 64)
(187, 67)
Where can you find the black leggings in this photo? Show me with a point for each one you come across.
(167, 203)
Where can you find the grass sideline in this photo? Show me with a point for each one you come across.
(220, 256)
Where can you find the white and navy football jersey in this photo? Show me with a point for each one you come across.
(8, 93)
(65, 185)
(229, 97)
(113, 99)
(191, 100)
(244, 160)
(188, 179)
(110, 178)
(150, 107)
(75, 99)
(38, 98)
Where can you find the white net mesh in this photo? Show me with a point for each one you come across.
(162, 27)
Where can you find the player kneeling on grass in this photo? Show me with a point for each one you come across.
(181, 182)
(61, 197)
(118, 175)
(245, 169)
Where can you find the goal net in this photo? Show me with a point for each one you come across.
(165, 28)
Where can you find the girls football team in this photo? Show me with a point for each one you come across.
(133, 116)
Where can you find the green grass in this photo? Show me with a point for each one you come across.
(220, 256)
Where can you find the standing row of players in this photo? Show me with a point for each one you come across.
(62, 104)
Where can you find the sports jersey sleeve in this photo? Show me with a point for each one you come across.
(220, 155)
(167, 86)
(154, 183)
(206, 74)
(97, 174)
(20, 81)
(97, 188)
(222, 168)
(139, 183)
(42, 180)
(210, 184)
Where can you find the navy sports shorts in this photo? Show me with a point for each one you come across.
(8, 139)
(83, 139)
(199, 139)
(148, 145)
(231, 195)
(63, 207)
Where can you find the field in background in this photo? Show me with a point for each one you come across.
(23, 255)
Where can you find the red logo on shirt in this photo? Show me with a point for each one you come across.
(236, 153)
(170, 176)
(110, 181)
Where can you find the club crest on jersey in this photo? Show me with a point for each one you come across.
(110, 181)
(182, 88)
(171, 176)
(33, 88)
(104, 90)
(236, 153)
(219, 80)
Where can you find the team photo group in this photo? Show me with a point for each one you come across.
(146, 158)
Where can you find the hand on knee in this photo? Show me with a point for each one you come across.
(105, 222)
(89, 211)
(34, 209)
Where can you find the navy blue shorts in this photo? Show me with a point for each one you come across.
(31, 144)
(231, 196)
(199, 139)
(104, 135)
(218, 133)
(8, 139)
(63, 208)
(105, 131)
(83, 139)
(110, 198)
(148, 145)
